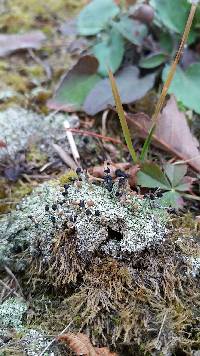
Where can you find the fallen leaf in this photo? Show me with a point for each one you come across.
(172, 133)
(80, 344)
(130, 170)
(75, 85)
(11, 43)
(2, 144)
(131, 88)
(185, 85)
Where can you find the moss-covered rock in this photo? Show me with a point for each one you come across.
(115, 223)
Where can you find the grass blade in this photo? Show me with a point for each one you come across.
(122, 117)
(167, 83)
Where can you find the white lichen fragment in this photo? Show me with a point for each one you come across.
(110, 225)
(19, 127)
(34, 342)
(11, 314)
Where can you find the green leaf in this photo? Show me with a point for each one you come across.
(151, 176)
(175, 173)
(75, 85)
(133, 30)
(185, 86)
(109, 52)
(131, 88)
(95, 16)
(153, 60)
(166, 42)
(173, 14)
(172, 199)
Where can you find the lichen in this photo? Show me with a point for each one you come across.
(116, 223)
(11, 314)
(20, 127)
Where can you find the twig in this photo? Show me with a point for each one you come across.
(52, 342)
(161, 328)
(10, 289)
(94, 134)
(72, 143)
(104, 120)
(65, 156)
(15, 279)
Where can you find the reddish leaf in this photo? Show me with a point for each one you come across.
(12, 43)
(80, 344)
(2, 144)
(172, 133)
(98, 171)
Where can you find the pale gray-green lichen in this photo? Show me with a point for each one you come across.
(12, 311)
(34, 342)
(101, 222)
(19, 127)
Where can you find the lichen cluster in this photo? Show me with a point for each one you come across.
(11, 314)
(20, 127)
(113, 222)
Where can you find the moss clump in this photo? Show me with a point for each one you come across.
(68, 177)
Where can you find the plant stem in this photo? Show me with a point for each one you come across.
(168, 81)
(174, 64)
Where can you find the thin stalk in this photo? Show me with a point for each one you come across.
(168, 81)
(122, 117)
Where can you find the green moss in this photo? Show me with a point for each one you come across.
(68, 177)
(34, 154)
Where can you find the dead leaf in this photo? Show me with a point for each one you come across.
(130, 170)
(80, 344)
(15, 42)
(172, 133)
(131, 88)
(75, 85)
(2, 144)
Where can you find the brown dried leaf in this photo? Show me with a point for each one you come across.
(98, 171)
(78, 343)
(172, 133)
(104, 351)
(12, 43)
(2, 144)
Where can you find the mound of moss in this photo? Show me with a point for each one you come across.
(110, 263)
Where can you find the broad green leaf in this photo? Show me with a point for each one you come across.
(175, 173)
(95, 16)
(133, 30)
(151, 176)
(75, 85)
(185, 86)
(166, 42)
(173, 14)
(153, 60)
(131, 88)
(171, 199)
(183, 187)
(109, 52)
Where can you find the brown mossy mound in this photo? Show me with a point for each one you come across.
(148, 304)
